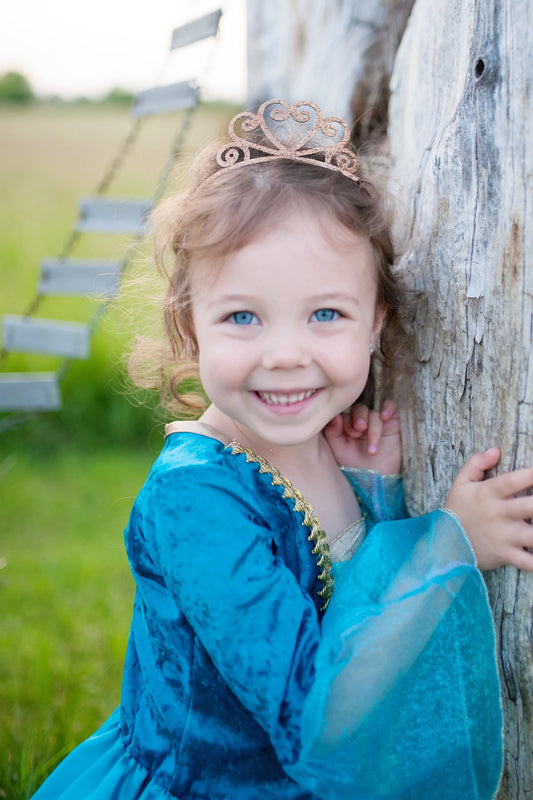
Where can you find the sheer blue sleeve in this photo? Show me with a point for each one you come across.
(380, 496)
(406, 700)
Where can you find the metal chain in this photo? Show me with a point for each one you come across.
(74, 235)
(120, 157)
(177, 144)
(175, 152)
(113, 170)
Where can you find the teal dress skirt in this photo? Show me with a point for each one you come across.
(238, 685)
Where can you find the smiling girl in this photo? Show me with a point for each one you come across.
(293, 635)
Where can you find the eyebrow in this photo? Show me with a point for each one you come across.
(326, 297)
(329, 297)
(232, 298)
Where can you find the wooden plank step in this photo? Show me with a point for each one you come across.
(200, 28)
(113, 215)
(174, 97)
(29, 391)
(28, 335)
(90, 276)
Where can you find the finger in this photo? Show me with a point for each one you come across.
(359, 417)
(512, 482)
(389, 410)
(475, 467)
(521, 559)
(524, 536)
(519, 508)
(375, 427)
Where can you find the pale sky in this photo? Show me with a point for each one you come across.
(73, 48)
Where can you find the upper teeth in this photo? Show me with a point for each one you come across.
(285, 399)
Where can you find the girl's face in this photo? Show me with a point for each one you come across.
(284, 329)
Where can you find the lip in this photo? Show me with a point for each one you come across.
(288, 401)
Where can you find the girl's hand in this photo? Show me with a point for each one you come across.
(493, 517)
(367, 439)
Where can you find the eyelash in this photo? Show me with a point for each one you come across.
(250, 318)
(332, 313)
(248, 314)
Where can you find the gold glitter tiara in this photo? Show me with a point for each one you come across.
(297, 132)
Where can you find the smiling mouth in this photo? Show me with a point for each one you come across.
(285, 399)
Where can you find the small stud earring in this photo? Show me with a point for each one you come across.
(371, 348)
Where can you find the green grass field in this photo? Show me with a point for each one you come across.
(66, 596)
(68, 479)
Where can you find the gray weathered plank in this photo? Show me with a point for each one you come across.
(30, 391)
(27, 335)
(173, 97)
(79, 277)
(113, 215)
(200, 28)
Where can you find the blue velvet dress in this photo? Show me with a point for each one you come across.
(238, 687)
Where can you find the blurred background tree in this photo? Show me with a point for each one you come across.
(15, 88)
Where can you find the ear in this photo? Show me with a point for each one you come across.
(379, 319)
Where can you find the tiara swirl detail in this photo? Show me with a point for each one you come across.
(254, 140)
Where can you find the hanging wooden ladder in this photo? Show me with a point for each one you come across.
(40, 391)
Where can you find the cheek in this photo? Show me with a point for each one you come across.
(210, 371)
(219, 371)
(350, 358)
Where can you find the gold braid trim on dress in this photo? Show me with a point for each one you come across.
(317, 535)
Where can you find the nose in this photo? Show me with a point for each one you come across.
(285, 350)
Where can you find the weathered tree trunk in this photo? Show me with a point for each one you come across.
(320, 51)
(460, 135)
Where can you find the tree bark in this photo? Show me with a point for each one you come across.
(320, 51)
(460, 138)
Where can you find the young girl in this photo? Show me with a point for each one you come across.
(293, 635)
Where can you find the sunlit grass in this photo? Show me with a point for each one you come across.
(66, 596)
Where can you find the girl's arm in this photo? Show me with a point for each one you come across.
(495, 520)
(326, 691)
(367, 439)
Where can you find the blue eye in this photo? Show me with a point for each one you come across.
(325, 315)
(243, 318)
